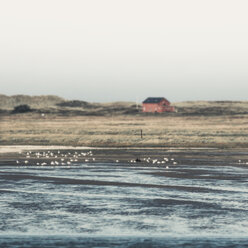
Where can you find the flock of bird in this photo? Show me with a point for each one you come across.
(55, 158)
(242, 162)
(156, 161)
(58, 158)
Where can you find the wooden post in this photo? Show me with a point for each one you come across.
(141, 134)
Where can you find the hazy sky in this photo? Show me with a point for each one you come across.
(110, 50)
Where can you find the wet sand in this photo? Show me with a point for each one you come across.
(9, 155)
(195, 198)
(26, 156)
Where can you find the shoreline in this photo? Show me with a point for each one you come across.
(22, 155)
(21, 148)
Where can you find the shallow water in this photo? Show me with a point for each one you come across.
(118, 205)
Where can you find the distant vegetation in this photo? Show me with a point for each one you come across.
(75, 104)
(212, 107)
(24, 108)
(35, 102)
(56, 105)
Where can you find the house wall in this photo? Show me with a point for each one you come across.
(163, 106)
(151, 107)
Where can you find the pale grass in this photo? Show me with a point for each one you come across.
(117, 131)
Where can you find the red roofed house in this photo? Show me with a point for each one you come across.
(157, 105)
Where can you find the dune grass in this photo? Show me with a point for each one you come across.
(121, 131)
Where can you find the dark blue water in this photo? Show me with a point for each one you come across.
(119, 205)
(131, 242)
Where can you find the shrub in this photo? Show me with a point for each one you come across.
(21, 109)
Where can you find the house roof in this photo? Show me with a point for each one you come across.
(154, 99)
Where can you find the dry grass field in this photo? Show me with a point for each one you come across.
(118, 124)
(121, 131)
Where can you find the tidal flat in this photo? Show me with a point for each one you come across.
(196, 198)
